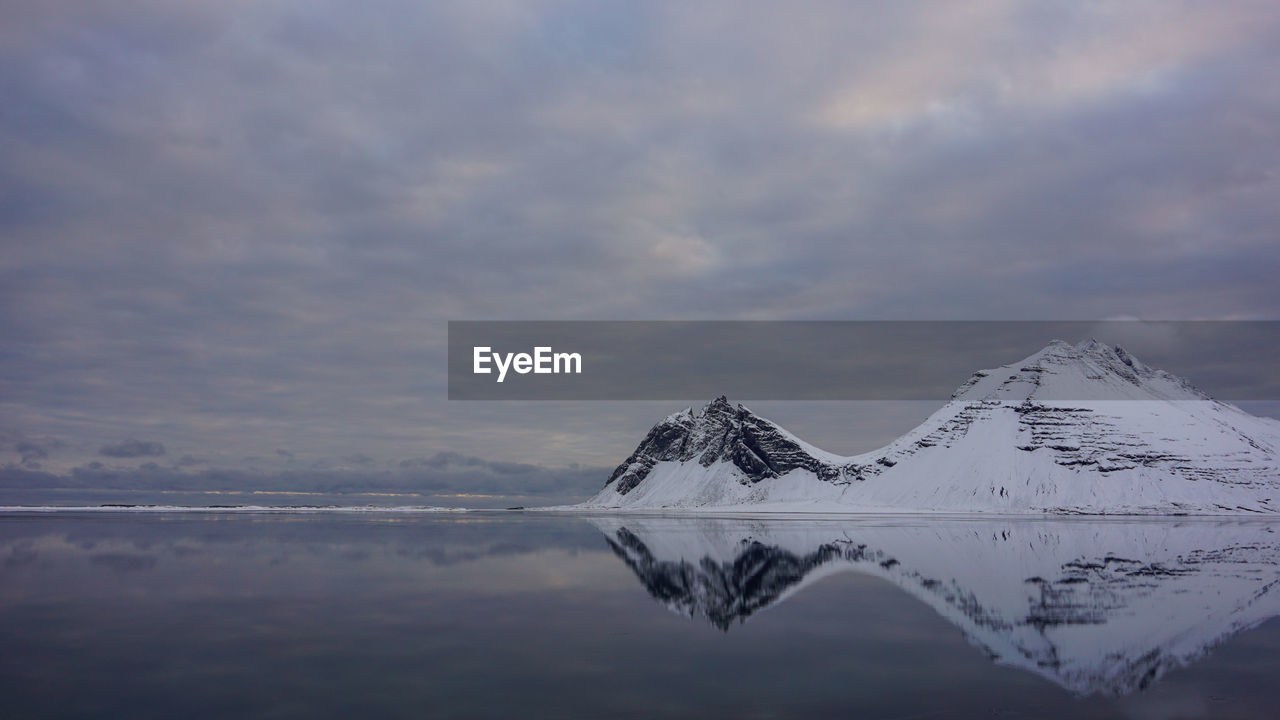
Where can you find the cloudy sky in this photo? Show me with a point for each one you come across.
(232, 232)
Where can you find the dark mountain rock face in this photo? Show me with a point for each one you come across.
(721, 432)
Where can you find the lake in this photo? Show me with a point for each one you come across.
(532, 615)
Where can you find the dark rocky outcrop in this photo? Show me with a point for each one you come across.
(722, 432)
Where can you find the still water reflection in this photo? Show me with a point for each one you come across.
(526, 615)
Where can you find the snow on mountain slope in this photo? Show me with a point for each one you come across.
(1070, 429)
(1094, 606)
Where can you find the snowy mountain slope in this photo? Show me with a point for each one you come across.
(1070, 429)
(1094, 606)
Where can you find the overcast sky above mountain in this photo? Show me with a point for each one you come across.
(233, 232)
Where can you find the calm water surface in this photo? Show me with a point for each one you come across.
(528, 615)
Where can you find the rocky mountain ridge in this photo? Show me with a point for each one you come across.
(1085, 428)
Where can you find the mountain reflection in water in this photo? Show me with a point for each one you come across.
(1101, 607)
(123, 614)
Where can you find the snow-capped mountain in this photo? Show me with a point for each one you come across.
(1070, 429)
(1094, 606)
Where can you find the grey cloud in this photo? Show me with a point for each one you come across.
(311, 194)
(35, 450)
(472, 476)
(446, 460)
(31, 451)
(132, 448)
(359, 459)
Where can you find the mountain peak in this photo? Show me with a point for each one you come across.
(721, 432)
(1041, 435)
(1088, 370)
(718, 405)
